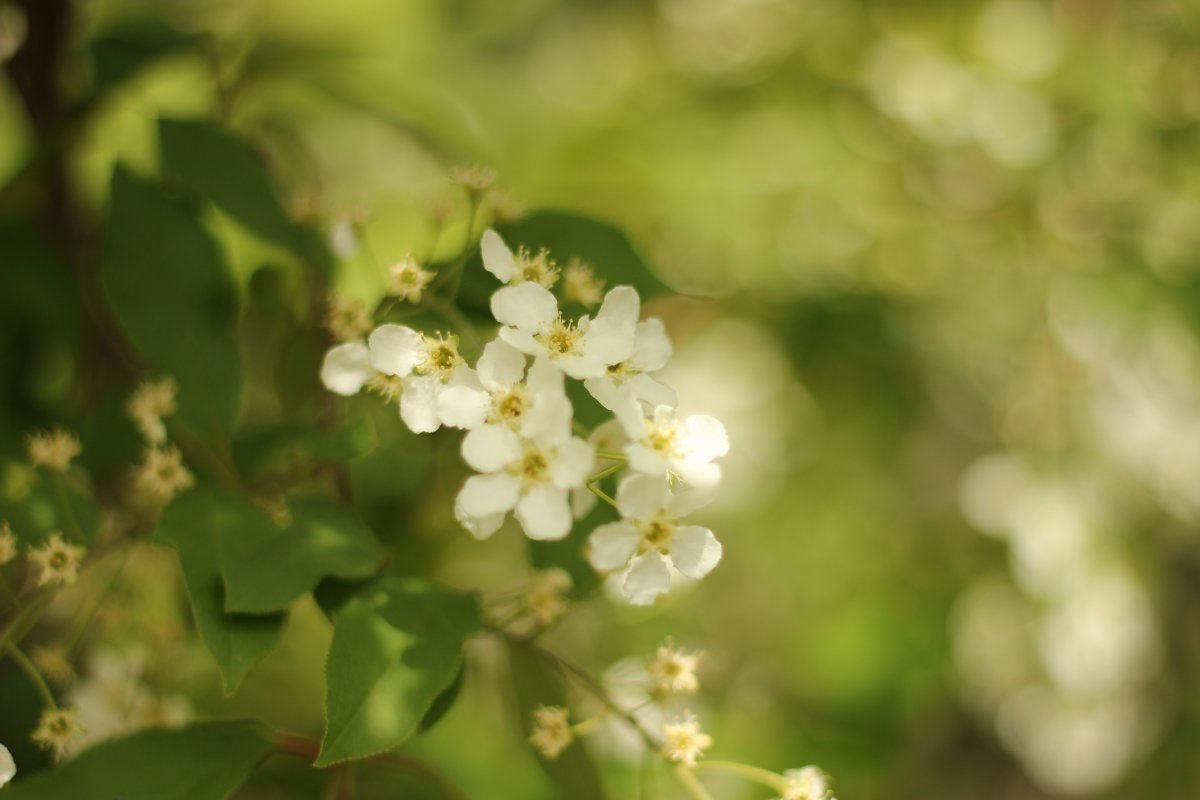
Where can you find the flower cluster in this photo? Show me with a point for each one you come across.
(161, 474)
(520, 428)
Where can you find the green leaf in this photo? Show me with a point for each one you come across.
(223, 168)
(31, 502)
(171, 292)
(203, 762)
(268, 566)
(609, 251)
(395, 649)
(236, 641)
(120, 54)
(573, 772)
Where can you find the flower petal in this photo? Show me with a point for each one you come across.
(491, 447)
(548, 420)
(704, 438)
(544, 377)
(484, 495)
(497, 258)
(618, 398)
(544, 513)
(703, 476)
(607, 341)
(572, 464)
(501, 365)
(347, 368)
(656, 393)
(582, 502)
(694, 550)
(648, 577)
(396, 349)
(651, 347)
(612, 545)
(643, 496)
(645, 460)
(463, 407)
(621, 305)
(480, 527)
(526, 306)
(419, 402)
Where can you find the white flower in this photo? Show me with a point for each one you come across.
(580, 284)
(532, 476)
(505, 395)
(608, 437)
(624, 384)
(514, 269)
(582, 349)
(684, 742)
(806, 783)
(57, 561)
(665, 445)
(546, 597)
(407, 280)
(8, 767)
(672, 671)
(649, 538)
(399, 362)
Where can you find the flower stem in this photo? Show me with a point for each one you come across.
(767, 778)
(34, 676)
(604, 473)
(612, 456)
(690, 782)
(596, 490)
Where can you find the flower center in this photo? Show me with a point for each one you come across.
(533, 467)
(662, 440)
(509, 407)
(560, 338)
(58, 560)
(539, 269)
(441, 356)
(656, 534)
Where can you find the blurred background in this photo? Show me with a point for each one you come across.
(938, 267)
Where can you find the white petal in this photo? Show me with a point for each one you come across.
(461, 407)
(572, 464)
(609, 437)
(648, 578)
(544, 376)
(582, 502)
(704, 438)
(480, 527)
(526, 306)
(522, 340)
(642, 496)
(347, 368)
(464, 376)
(653, 392)
(694, 550)
(651, 347)
(608, 341)
(643, 459)
(484, 495)
(704, 476)
(497, 258)
(621, 305)
(8, 768)
(501, 365)
(618, 398)
(491, 447)
(396, 349)
(611, 546)
(419, 404)
(684, 502)
(544, 513)
(548, 420)
(581, 365)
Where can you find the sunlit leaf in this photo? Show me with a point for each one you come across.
(395, 649)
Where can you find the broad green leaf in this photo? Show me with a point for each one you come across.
(236, 641)
(277, 449)
(395, 649)
(534, 684)
(207, 761)
(267, 566)
(221, 167)
(609, 251)
(171, 292)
